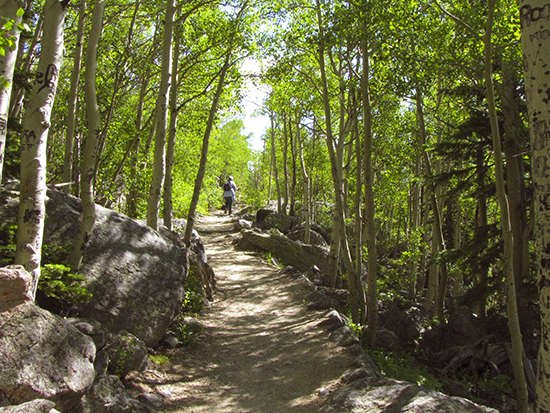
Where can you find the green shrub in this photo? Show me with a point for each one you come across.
(57, 281)
(403, 367)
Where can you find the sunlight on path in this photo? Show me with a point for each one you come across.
(262, 351)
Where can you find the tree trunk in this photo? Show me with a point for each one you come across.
(515, 177)
(170, 148)
(357, 292)
(274, 163)
(284, 206)
(72, 101)
(535, 43)
(372, 280)
(516, 357)
(204, 151)
(88, 160)
(159, 166)
(36, 122)
(307, 216)
(437, 232)
(480, 239)
(8, 9)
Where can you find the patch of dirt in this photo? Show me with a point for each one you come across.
(261, 350)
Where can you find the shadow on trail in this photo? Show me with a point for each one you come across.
(262, 352)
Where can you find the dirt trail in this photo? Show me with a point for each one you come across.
(261, 351)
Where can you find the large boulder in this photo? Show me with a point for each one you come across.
(462, 329)
(135, 275)
(281, 222)
(398, 321)
(42, 356)
(295, 254)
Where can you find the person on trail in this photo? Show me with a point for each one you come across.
(229, 188)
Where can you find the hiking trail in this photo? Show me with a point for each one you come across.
(261, 350)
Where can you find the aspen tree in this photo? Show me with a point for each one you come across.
(535, 26)
(36, 123)
(159, 165)
(88, 160)
(72, 101)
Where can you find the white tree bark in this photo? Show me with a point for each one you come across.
(36, 124)
(535, 26)
(88, 160)
(8, 9)
(71, 103)
(162, 118)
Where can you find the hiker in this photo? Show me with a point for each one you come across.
(229, 188)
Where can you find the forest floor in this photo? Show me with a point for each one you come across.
(261, 350)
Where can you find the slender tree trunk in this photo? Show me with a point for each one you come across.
(479, 306)
(512, 306)
(358, 191)
(437, 232)
(274, 162)
(88, 175)
(72, 100)
(36, 122)
(284, 206)
(8, 9)
(159, 166)
(293, 151)
(204, 152)
(357, 296)
(307, 216)
(170, 149)
(515, 177)
(372, 280)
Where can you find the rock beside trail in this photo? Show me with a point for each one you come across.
(42, 356)
(364, 389)
(298, 255)
(380, 394)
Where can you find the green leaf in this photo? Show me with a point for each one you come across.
(20, 12)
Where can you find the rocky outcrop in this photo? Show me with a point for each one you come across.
(364, 389)
(43, 357)
(295, 254)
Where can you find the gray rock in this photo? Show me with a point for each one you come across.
(15, 287)
(242, 224)
(109, 396)
(379, 394)
(97, 331)
(138, 284)
(299, 256)
(332, 321)
(344, 337)
(35, 406)
(170, 339)
(151, 400)
(126, 354)
(387, 340)
(43, 356)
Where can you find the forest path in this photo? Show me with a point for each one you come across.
(261, 351)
